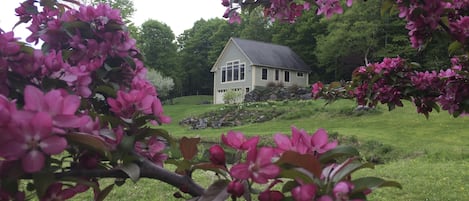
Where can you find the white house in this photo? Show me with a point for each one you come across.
(244, 65)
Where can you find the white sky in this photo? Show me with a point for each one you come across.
(180, 15)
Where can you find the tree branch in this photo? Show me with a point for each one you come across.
(147, 170)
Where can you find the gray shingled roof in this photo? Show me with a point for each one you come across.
(271, 55)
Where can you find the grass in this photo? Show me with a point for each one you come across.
(432, 164)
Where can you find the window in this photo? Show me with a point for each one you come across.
(233, 71)
(299, 74)
(276, 74)
(229, 73)
(241, 72)
(247, 90)
(236, 72)
(264, 74)
(287, 76)
(223, 75)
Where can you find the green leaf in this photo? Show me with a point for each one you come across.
(48, 3)
(89, 141)
(127, 143)
(306, 161)
(106, 90)
(42, 181)
(296, 174)
(103, 194)
(349, 168)
(288, 186)
(132, 170)
(454, 46)
(337, 152)
(365, 183)
(386, 7)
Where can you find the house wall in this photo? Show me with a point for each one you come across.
(294, 78)
(231, 53)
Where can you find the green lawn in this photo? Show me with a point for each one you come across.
(432, 164)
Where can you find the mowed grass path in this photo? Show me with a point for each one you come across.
(433, 163)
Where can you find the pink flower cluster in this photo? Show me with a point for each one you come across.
(285, 10)
(38, 130)
(392, 80)
(383, 90)
(261, 167)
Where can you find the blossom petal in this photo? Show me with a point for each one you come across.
(250, 143)
(71, 103)
(13, 150)
(53, 145)
(319, 138)
(240, 171)
(33, 98)
(282, 141)
(42, 124)
(33, 161)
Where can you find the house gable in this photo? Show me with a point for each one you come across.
(244, 64)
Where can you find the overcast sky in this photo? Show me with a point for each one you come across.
(178, 14)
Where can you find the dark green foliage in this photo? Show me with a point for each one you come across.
(198, 47)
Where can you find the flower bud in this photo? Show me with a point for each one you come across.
(271, 196)
(236, 188)
(217, 155)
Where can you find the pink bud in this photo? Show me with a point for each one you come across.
(271, 196)
(217, 155)
(236, 188)
(225, 3)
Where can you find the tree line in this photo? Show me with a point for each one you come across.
(333, 48)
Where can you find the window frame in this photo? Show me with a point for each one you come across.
(286, 76)
(264, 76)
(233, 71)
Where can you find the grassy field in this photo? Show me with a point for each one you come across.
(432, 161)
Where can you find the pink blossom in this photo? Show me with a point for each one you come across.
(329, 7)
(304, 192)
(225, 3)
(152, 149)
(319, 142)
(316, 89)
(57, 103)
(300, 141)
(234, 17)
(258, 166)
(34, 140)
(217, 155)
(342, 190)
(238, 141)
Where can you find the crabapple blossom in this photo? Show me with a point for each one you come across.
(32, 140)
(258, 166)
(238, 141)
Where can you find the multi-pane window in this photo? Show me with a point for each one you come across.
(287, 76)
(299, 74)
(264, 74)
(229, 73)
(233, 71)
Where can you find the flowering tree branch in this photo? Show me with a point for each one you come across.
(147, 170)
